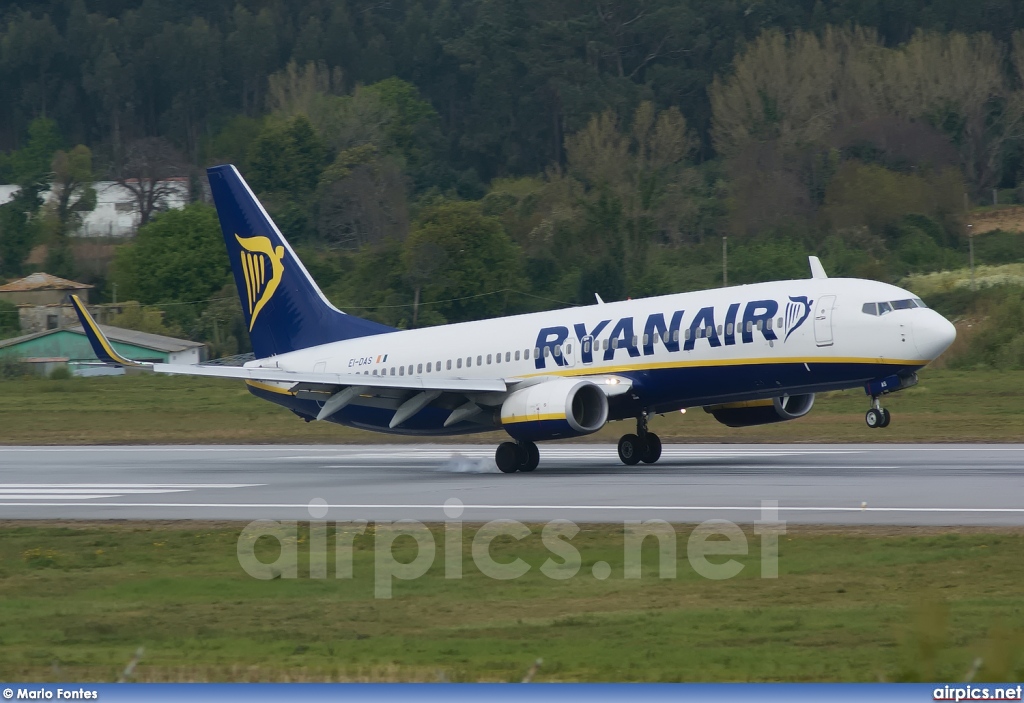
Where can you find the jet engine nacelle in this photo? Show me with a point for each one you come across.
(762, 412)
(555, 409)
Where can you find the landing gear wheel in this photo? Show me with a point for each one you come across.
(506, 456)
(886, 417)
(530, 458)
(874, 418)
(651, 450)
(630, 449)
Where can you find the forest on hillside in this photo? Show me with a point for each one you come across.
(444, 160)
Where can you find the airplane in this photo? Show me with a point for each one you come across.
(748, 355)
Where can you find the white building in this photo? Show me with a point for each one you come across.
(116, 213)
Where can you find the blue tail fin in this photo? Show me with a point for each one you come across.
(284, 307)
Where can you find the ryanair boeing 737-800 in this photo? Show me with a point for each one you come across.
(749, 355)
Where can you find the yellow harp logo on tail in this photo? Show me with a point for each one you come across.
(262, 268)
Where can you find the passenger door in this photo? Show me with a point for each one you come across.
(823, 320)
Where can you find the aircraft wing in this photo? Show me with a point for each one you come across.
(333, 379)
(105, 352)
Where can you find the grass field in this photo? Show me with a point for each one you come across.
(857, 604)
(947, 406)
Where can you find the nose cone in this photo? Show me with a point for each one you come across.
(932, 334)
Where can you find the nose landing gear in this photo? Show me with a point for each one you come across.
(643, 446)
(877, 416)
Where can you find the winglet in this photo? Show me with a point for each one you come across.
(817, 270)
(101, 346)
(599, 300)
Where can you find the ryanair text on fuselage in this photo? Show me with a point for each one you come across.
(624, 335)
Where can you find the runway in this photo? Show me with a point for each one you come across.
(812, 484)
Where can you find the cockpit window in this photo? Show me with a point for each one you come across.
(886, 307)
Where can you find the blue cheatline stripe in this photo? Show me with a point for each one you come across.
(661, 390)
(533, 692)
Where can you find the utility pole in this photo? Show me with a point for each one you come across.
(970, 245)
(725, 262)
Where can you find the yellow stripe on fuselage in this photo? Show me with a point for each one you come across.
(590, 369)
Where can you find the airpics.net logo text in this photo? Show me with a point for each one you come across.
(711, 548)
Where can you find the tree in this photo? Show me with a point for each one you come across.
(134, 316)
(72, 187)
(287, 157)
(18, 230)
(361, 200)
(150, 168)
(469, 256)
(178, 257)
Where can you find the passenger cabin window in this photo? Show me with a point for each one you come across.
(536, 352)
(728, 328)
(401, 370)
(410, 369)
(645, 340)
(428, 367)
(419, 368)
(586, 346)
(517, 355)
(469, 362)
(778, 323)
(568, 349)
(675, 335)
(480, 361)
(558, 350)
(448, 365)
(488, 358)
(459, 362)
(508, 356)
(750, 326)
(392, 370)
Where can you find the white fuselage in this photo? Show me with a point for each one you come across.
(812, 322)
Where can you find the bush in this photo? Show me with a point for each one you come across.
(61, 373)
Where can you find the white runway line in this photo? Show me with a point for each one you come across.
(440, 507)
(31, 493)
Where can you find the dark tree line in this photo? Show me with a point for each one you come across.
(509, 79)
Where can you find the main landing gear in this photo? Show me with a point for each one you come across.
(877, 416)
(517, 456)
(643, 446)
